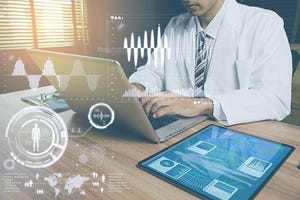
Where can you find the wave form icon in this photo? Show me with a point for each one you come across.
(62, 80)
(172, 44)
(161, 47)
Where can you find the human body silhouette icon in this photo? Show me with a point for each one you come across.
(36, 136)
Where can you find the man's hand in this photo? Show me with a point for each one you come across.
(140, 89)
(166, 102)
(138, 86)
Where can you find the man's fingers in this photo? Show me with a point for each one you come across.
(160, 103)
(163, 111)
(144, 100)
(157, 101)
(149, 104)
(154, 104)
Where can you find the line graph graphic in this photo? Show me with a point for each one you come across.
(171, 44)
(62, 80)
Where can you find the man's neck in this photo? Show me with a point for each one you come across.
(207, 17)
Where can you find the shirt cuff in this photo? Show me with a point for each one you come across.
(218, 113)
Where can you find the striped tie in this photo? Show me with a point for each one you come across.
(201, 63)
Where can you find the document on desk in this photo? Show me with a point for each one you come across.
(219, 163)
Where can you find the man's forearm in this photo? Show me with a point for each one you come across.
(207, 105)
(138, 86)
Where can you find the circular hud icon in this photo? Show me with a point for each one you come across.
(101, 115)
(37, 137)
(9, 164)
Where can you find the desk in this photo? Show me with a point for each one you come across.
(117, 153)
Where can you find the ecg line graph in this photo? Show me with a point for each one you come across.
(100, 115)
(161, 46)
(179, 46)
(62, 80)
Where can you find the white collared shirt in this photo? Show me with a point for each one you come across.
(211, 32)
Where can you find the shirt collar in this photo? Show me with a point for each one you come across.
(213, 27)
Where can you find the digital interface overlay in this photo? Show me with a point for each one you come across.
(37, 137)
(62, 79)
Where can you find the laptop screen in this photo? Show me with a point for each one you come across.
(217, 162)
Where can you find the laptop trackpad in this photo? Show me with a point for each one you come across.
(177, 127)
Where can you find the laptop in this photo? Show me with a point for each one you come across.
(85, 81)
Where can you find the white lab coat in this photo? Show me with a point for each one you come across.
(249, 75)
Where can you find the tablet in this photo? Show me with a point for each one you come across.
(50, 100)
(219, 163)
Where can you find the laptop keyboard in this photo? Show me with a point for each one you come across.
(160, 122)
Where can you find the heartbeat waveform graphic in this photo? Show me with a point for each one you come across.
(34, 80)
(161, 47)
(179, 46)
(48, 68)
(19, 69)
(62, 80)
(101, 116)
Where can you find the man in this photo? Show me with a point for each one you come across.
(248, 66)
(36, 136)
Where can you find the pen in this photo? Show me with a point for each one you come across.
(39, 103)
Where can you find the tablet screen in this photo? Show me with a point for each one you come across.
(219, 163)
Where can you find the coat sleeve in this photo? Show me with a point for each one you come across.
(267, 95)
